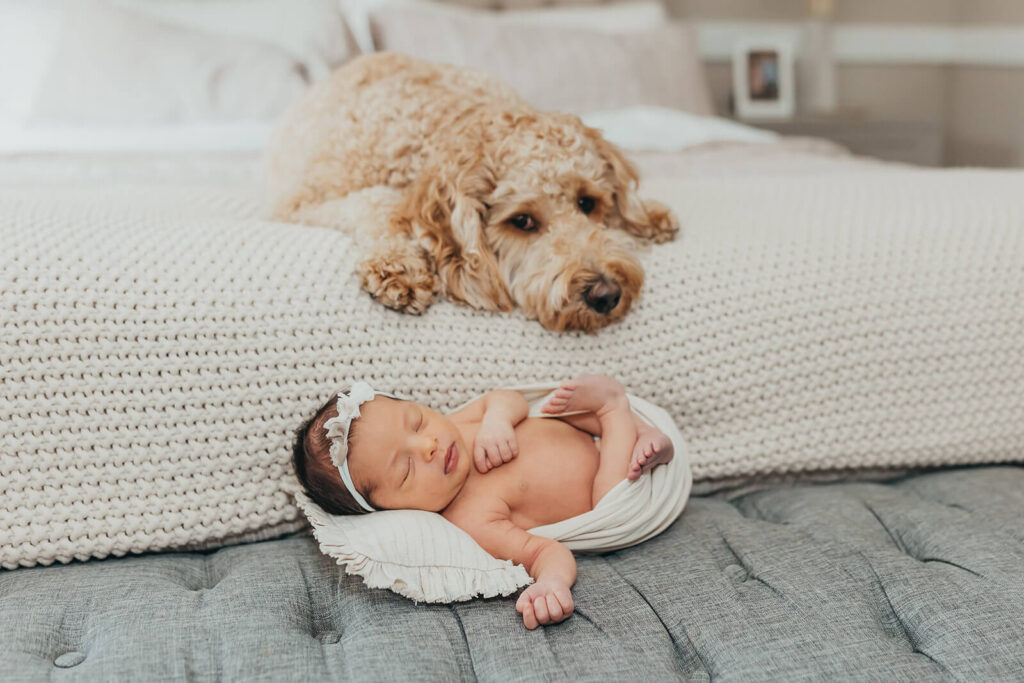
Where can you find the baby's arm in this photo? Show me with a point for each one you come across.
(552, 565)
(498, 412)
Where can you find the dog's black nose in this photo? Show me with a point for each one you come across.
(603, 296)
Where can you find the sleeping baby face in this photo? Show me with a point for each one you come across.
(403, 455)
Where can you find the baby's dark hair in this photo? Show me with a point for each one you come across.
(311, 457)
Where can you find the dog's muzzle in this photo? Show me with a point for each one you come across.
(603, 296)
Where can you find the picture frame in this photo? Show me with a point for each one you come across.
(763, 79)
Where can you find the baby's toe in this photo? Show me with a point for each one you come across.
(553, 408)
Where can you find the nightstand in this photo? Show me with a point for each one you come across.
(913, 142)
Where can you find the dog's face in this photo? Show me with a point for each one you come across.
(552, 224)
(539, 216)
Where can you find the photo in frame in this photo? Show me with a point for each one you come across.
(763, 79)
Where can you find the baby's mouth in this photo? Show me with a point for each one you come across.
(451, 458)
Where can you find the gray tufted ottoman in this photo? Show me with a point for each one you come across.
(918, 578)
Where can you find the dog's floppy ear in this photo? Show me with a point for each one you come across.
(643, 218)
(445, 204)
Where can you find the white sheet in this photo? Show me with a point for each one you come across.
(200, 137)
(659, 129)
(638, 129)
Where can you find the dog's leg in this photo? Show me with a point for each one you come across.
(399, 273)
(395, 269)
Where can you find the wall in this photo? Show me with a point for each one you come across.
(967, 73)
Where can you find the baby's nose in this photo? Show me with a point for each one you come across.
(428, 446)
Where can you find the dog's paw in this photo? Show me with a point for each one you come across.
(662, 221)
(405, 282)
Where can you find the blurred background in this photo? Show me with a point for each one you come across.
(932, 82)
(952, 69)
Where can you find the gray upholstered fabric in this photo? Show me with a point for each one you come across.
(918, 578)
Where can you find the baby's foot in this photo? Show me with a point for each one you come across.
(589, 393)
(652, 448)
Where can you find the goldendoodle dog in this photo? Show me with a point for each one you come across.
(466, 190)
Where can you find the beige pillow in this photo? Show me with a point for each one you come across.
(609, 17)
(115, 66)
(566, 69)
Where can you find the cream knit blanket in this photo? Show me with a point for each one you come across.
(160, 345)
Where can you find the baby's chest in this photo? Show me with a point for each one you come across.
(552, 478)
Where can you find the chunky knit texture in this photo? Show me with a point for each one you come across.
(161, 344)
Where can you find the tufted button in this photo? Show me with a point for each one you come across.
(69, 659)
(736, 572)
(330, 637)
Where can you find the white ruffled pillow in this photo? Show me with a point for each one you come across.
(418, 554)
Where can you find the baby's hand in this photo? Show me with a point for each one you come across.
(495, 444)
(548, 601)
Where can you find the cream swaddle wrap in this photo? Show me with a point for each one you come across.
(423, 556)
(633, 511)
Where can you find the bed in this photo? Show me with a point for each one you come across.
(865, 523)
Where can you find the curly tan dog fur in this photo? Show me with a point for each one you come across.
(488, 201)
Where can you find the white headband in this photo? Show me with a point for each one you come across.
(338, 428)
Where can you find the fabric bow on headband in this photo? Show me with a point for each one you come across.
(337, 429)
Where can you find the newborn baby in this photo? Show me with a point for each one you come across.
(487, 468)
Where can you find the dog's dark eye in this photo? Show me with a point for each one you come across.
(524, 221)
(586, 204)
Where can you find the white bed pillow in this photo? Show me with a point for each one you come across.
(314, 32)
(82, 72)
(28, 37)
(576, 70)
(118, 67)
